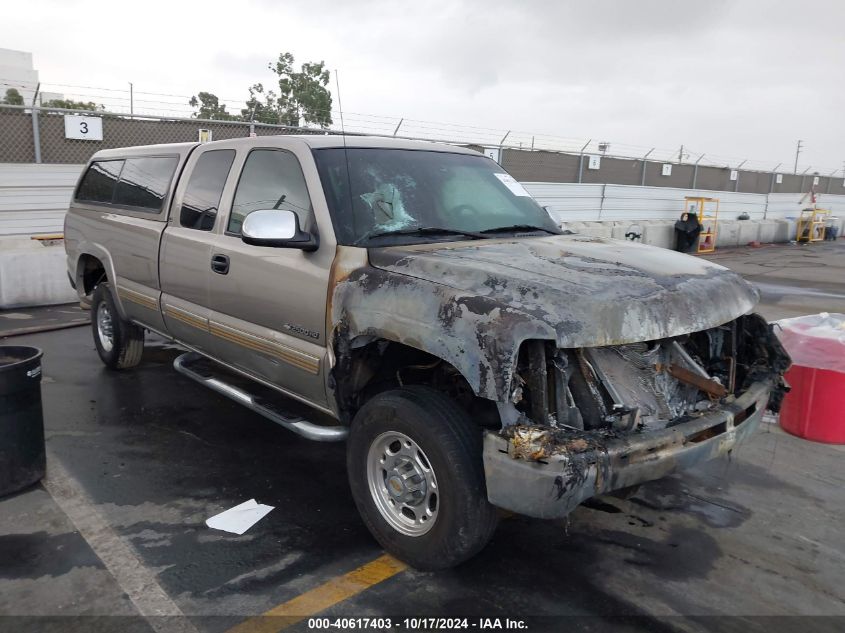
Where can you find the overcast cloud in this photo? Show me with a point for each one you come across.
(733, 79)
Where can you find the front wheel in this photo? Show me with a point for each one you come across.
(119, 343)
(415, 469)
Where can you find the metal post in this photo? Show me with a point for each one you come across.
(803, 176)
(738, 167)
(502, 147)
(398, 125)
(645, 162)
(601, 202)
(581, 160)
(36, 129)
(695, 171)
(252, 120)
(532, 143)
(797, 151)
(772, 183)
(131, 99)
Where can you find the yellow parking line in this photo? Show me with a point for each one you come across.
(321, 598)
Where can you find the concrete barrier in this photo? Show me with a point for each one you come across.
(575, 227)
(749, 231)
(597, 229)
(782, 233)
(32, 274)
(727, 234)
(659, 233)
(620, 229)
(768, 231)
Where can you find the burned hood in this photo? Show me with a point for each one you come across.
(588, 291)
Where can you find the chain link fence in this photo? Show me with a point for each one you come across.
(38, 135)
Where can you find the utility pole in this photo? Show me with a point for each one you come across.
(797, 151)
(131, 99)
(681, 155)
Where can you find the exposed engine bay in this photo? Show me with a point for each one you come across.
(584, 395)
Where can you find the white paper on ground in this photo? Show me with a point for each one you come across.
(511, 183)
(240, 518)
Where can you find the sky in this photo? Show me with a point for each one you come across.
(734, 80)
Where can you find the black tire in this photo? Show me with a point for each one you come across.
(127, 338)
(452, 445)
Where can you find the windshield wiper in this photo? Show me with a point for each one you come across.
(421, 230)
(518, 227)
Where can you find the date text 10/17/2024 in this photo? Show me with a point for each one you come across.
(417, 624)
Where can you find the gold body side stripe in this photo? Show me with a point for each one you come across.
(301, 360)
(186, 317)
(294, 357)
(136, 297)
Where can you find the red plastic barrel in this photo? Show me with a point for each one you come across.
(815, 407)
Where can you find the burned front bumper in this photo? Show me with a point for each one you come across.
(555, 486)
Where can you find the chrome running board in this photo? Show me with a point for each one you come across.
(294, 423)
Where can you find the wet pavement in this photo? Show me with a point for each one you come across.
(793, 279)
(138, 460)
(41, 319)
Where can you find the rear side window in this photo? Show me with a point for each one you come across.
(144, 182)
(99, 181)
(205, 188)
(271, 179)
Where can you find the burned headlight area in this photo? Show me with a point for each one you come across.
(590, 393)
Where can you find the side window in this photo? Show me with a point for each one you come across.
(271, 179)
(205, 188)
(144, 182)
(99, 181)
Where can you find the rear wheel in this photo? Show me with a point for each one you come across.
(415, 469)
(119, 343)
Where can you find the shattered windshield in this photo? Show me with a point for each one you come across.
(406, 196)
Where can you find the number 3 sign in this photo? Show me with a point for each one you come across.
(87, 128)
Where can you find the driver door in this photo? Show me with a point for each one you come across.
(268, 304)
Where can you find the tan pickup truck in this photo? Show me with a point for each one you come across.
(472, 354)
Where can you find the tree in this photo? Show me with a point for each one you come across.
(302, 97)
(13, 97)
(209, 107)
(70, 104)
(261, 106)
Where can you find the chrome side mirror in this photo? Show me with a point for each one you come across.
(278, 228)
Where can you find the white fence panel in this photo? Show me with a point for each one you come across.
(580, 202)
(35, 197)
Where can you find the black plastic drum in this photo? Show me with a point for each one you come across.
(22, 460)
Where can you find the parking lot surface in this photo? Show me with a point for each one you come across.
(139, 459)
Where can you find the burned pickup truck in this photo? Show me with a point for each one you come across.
(431, 314)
